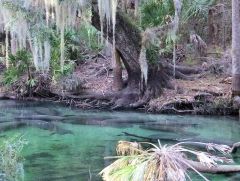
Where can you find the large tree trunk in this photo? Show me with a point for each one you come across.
(236, 47)
(128, 44)
(117, 72)
(2, 40)
(2, 37)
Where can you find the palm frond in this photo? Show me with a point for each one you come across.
(161, 162)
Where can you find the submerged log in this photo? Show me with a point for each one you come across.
(41, 117)
(50, 126)
(10, 126)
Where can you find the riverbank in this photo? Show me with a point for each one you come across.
(191, 98)
(91, 87)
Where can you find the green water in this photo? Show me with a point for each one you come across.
(69, 144)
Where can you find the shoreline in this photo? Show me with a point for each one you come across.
(209, 110)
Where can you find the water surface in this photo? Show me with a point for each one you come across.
(69, 144)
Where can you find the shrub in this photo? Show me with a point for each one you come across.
(11, 161)
(19, 65)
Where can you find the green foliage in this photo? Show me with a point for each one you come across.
(193, 9)
(90, 36)
(156, 12)
(71, 53)
(11, 161)
(19, 64)
(10, 76)
(21, 61)
(152, 54)
(31, 83)
(160, 12)
(86, 35)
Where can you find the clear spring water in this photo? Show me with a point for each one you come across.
(70, 145)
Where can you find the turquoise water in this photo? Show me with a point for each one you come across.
(69, 144)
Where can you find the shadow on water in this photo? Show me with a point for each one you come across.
(70, 144)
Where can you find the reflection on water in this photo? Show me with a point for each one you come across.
(70, 144)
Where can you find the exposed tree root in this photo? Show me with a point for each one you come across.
(173, 110)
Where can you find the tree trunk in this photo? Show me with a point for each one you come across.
(2, 47)
(117, 73)
(2, 37)
(211, 28)
(7, 49)
(128, 43)
(235, 48)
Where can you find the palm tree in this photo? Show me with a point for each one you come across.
(235, 47)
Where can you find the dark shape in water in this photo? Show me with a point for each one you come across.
(35, 156)
(50, 126)
(40, 117)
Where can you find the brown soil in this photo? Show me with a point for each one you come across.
(97, 74)
(185, 91)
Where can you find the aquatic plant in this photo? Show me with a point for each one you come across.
(11, 161)
(161, 162)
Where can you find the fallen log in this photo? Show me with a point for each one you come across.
(218, 169)
(184, 69)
